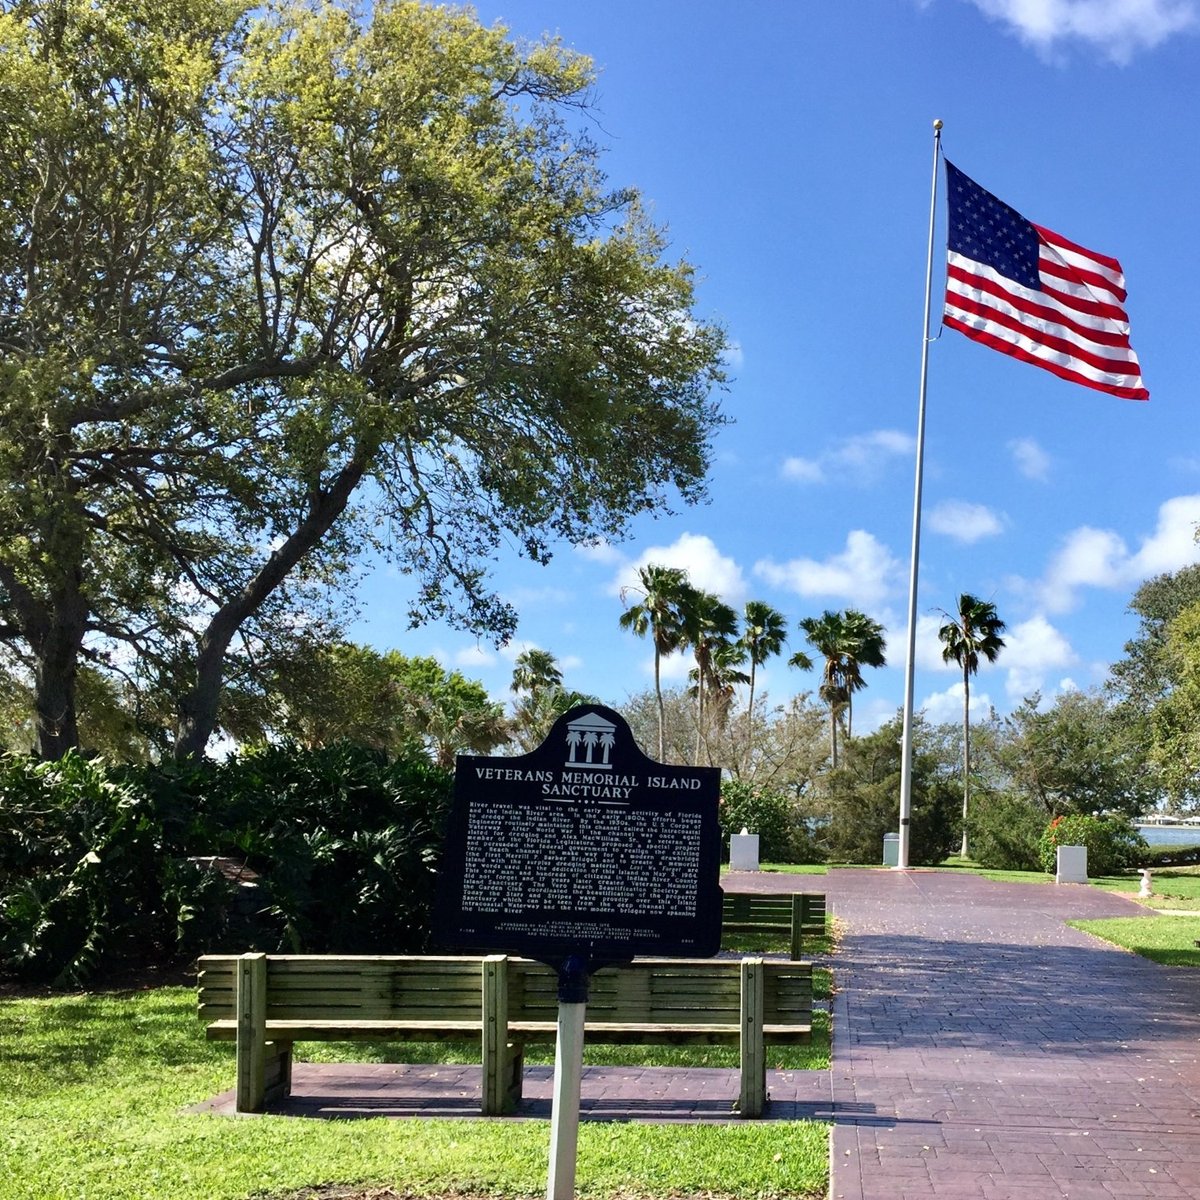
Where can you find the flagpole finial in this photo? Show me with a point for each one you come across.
(937, 124)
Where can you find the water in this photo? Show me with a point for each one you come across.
(1171, 835)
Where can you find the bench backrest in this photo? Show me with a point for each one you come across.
(350, 987)
(667, 991)
(742, 908)
(660, 991)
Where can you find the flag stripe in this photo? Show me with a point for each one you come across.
(1035, 295)
(962, 280)
(1117, 368)
(1064, 372)
(1071, 250)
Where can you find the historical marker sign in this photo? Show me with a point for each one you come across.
(585, 846)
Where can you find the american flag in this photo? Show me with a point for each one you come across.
(1025, 291)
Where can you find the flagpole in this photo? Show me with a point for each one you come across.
(906, 748)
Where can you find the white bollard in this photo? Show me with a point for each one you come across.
(1144, 890)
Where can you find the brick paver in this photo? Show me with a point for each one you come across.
(983, 1050)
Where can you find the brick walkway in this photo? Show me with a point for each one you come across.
(983, 1050)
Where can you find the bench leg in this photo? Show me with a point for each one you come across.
(798, 913)
(753, 1096)
(494, 1048)
(251, 1032)
(277, 1072)
(515, 1088)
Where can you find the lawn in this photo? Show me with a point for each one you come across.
(92, 1088)
(1170, 940)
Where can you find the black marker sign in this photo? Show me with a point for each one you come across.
(584, 846)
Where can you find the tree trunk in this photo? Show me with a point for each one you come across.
(198, 707)
(966, 754)
(833, 735)
(750, 721)
(662, 714)
(53, 628)
(55, 671)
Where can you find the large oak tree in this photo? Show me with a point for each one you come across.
(278, 284)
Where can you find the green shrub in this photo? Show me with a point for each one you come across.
(1003, 831)
(103, 865)
(1113, 843)
(81, 870)
(782, 836)
(1169, 856)
(345, 843)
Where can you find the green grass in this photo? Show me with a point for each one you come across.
(91, 1089)
(811, 1057)
(1170, 940)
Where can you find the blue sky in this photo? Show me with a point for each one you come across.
(787, 148)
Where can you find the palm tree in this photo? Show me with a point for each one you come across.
(664, 591)
(763, 634)
(534, 670)
(865, 646)
(847, 641)
(801, 661)
(825, 634)
(721, 678)
(975, 630)
(709, 623)
(537, 680)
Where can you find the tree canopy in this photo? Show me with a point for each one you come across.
(280, 284)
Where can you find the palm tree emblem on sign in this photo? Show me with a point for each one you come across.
(593, 733)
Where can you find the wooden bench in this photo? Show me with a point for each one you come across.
(265, 1003)
(796, 914)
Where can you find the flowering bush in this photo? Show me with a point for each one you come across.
(1113, 843)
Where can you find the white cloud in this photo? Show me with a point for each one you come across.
(600, 551)
(945, 707)
(1118, 28)
(1033, 649)
(1100, 557)
(1173, 543)
(966, 523)
(707, 568)
(864, 574)
(929, 646)
(803, 470)
(1030, 459)
(734, 355)
(475, 657)
(857, 460)
(1088, 558)
(673, 668)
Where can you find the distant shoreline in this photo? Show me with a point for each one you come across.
(1171, 835)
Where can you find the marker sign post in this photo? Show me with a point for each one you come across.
(581, 854)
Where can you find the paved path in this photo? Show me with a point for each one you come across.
(983, 1050)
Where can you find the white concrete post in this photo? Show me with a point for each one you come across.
(743, 851)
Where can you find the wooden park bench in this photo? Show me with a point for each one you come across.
(796, 915)
(265, 1003)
